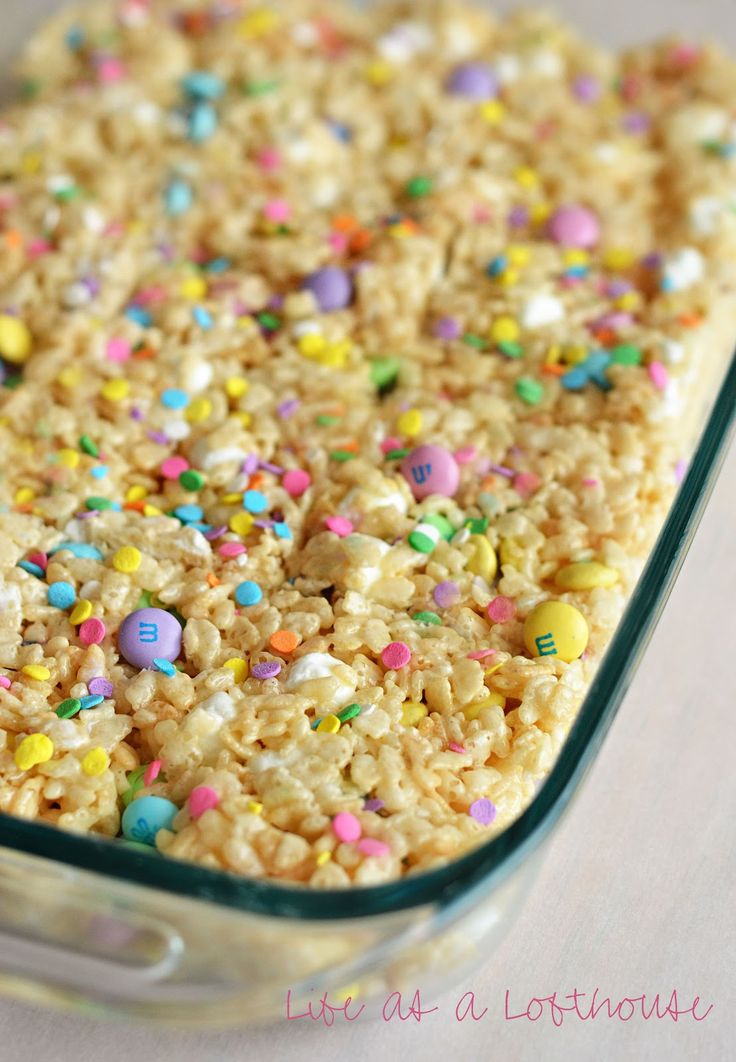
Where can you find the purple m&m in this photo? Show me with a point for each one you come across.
(431, 470)
(331, 287)
(575, 226)
(475, 81)
(149, 634)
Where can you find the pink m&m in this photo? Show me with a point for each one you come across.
(431, 470)
(149, 634)
(574, 226)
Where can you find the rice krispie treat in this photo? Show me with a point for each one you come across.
(347, 359)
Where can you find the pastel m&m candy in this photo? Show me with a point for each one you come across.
(143, 818)
(555, 628)
(431, 470)
(574, 226)
(331, 287)
(149, 634)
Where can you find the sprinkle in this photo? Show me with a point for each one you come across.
(92, 631)
(78, 549)
(254, 501)
(152, 772)
(339, 525)
(505, 330)
(481, 654)
(374, 804)
(429, 618)
(32, 750)
(61, 595)
(5, 682)
(173, 467)
(164, 666)
(31, 568)
(296, 481)
(526, 483)
(178, 197)
(395, 655)
(371, 846)
(412, 712)
(501, 609)
(100, 687)
(269, 466)
(446, 594)
(483, 811)
(322, 858)
(329, 724)
(68, 708)
(175, 398)
(529, 390)
(37, 672)
(346, 827)
(203, 85)
(418, 187)
(447, 328)
(127, 559)
(231, 549)
(282, 530)
(266, 670)
(409, 423)
(203, 318)
(680, 470)
(284, 641)
(115, 390)
(95, 762)
(189, 514)
(202, 798)
(238, 667)
(191, 480)
(349, 712)
(454, 747)
(241, 523)
(658, 375)
(248, 593)
(91, 701)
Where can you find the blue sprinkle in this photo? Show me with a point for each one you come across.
(204, 528)
(164, 665)
(178, 197)
(31, 568)
(202, 317)
(667, 284)
(61, 595)
(282, 530)
(74, 38)
(79, 549)
(255, 501)
(202, 122)
(99, 471)
(189, 514)
(497, 266)
(248, 593)
(217, 265)
(341, 131)
(91, 701)
(595, 366)
(575, 379)
(577, 271)
(201, 85)
(139, 316)
(175, 398)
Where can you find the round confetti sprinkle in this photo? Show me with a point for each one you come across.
(248, 593)
(92, 631)
(395, 655)
(529, 390)
(69, 708)
(658, 375)
(127, 559)
(174, 398)
(446, 594)
(241, 523)
(483, 811)
(475, 81)
(296, 482)
(339, 525)
(37, 672)
(575, 226)
(284, 641)
(100, 687)
(95, 762)
(329, 724)
(501, 609)
(266, 670)
(346, 827)
(173, 467)
(374, 804)
(254, 501)
(191, 480)
(61, 595)
(33, 750)
(231, 549)
(5, 682)
(202, 798)
(238, 667)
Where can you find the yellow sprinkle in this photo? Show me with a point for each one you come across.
(505, 330)
(241, 523)
(234, 498)
(115, 390)
(412, 712)
(379, 73)
(585, 575)
(244, 418)
(553, 355)
(136, 493)
(37, 672)
(518, 254)
(194, 288)
(511, 553)
(247, 323)
(540, 212)
(509, 277)
(618, 258)
(322, 858)
(312, 344)
(151, 510)
(482, 559)
(236, 386)
(15, 339)
(33, 749)
(24, 495)
(238, 667)
(493, 111)
(127, 559)
(575, 256)
(69, 377)
(254, 807)
(68, 458)
(31, 162)
(81, 612)
(574, 354)
(526, 177)
(493, 700)
(409, 422)
(492, 670)
(336, 354)
(198, 410)
(95, 762)
(630, 300)
(330, 724)
(258, 22)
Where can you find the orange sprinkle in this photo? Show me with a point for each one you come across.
(345, 223)
(606, 337)
(352, 446)
(212, 579)
(690, 320)
(255, 481)
(137, 506)
(555, 370)
(144, 352)
(361, 241)
(283, 641)
(14, 239)
(488, 483)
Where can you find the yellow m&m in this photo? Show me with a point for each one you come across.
(585, 575)
(556, 629)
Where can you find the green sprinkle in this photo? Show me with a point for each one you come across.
(385, 373)
(713, 147)
(68, 708)
(260, 88)
(11, 382)
(86, 444)
(30, 89)
(471, 340)
(511, 350)
(626, 354)
(418, 187)
(191, 479)
(349, 713)
(144, 601)
(342, 455)
(477, 526)
(135, 782)
(427, 617)
(69, 194)
(326, 420)
(529, 390)
(99, 504)
(397, 455)
(269, 321)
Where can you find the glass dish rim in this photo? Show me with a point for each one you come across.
(497, 856)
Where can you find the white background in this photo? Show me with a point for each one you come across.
(637, 891)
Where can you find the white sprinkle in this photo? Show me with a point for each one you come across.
(542, 310)
(684, 269)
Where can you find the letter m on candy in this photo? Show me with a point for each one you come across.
(420, 474)
(147, 632)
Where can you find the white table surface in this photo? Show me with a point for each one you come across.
(636, 894)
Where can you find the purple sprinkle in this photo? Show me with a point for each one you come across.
(276, 302)
(215, 532)
(86, 514)
(680, 470)
(287, 408)
(92, 285)
(268, 669)
(618, 287)
(502, 470)
(240, 309)
(158, 437)
(268, 467)
(136, 413)
(483, 811)
(447, 328)
(263, 523)
(637, 122)
(166, 251)
(374, 804)
(100, 687)
(250, 464)
(586, 88)
(446, 594)
(653, 260)
(519, 217)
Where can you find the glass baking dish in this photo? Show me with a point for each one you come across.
(87, 923)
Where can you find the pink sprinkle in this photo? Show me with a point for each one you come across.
(395, 655)
(269, 159)
(483, 811)
(201, 799)
(340, 525)
(526, 483)
(338, 241)
(481, 654)
(481, 212)
(466, 455)
(4, 682)
(117, 349)
(277, 210)
(371, 846)
(109, 70)
(153, 293)
(152, 772)
(391, 443)
(37, 248)
(346, 826)
(39, 558)
(231, 549)
(658, 375)
(173, 467)
(296, 481)
(501, 609)
(455, 748)
(590, 481)
(92, 631)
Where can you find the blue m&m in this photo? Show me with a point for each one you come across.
(143, 818)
